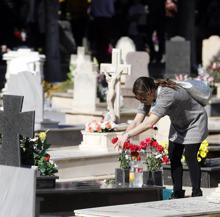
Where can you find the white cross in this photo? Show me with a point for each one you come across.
(116, 69)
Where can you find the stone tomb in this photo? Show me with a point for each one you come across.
(17, 192)
(69, 196)
(98, 142)
(24, 78)
(177, 57)
(13, 123)
(195, 206)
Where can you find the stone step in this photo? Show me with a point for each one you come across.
(214, 124)
(65, 136)
(74, 163)
(62, 101)
(80, 117)
(213, 108)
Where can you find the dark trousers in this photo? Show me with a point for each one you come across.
(175, 155)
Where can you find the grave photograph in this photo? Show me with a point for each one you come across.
(109, 108)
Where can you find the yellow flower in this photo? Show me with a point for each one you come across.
(199, 159)
(42, 136)
(203, 154)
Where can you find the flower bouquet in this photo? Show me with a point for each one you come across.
(100, 126)
(34, 152)
(147, 151)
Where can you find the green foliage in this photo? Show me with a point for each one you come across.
(34, 152)
(153, 163)
(124, 160)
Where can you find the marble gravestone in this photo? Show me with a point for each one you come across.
(24, 78)
(85, 87)
(13, 123)
(77, 59)
(210, 51)
(138, 61)
(17, 192)
(178, 57)
(126, 45)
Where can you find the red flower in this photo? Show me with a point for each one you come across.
(143, 145)
(159, 148)
(165, 159)
(139, 158)
(46, 157)
(126, 145)
(154, 144)
(148, 140)
(114, 140)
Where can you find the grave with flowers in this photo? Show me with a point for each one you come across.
(34, 153)
(18, 147)
(141, 164)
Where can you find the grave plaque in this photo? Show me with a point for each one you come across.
(177, 57)
(13, 123)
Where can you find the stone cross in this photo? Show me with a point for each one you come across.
(114, 71)
(12, 124)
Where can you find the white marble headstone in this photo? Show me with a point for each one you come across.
(126, 45)
(17, 192)
(24, 77)
(210, 50)
(77, 59)
(85, 87)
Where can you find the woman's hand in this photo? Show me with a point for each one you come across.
(121, 140)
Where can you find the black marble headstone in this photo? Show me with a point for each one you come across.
(177, 57)
(13, 123)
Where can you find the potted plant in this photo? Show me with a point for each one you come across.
(34, 152)
(155, 156)
(122, 173)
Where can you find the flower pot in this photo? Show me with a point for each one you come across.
(46, 181)
(153, 178)
(121, 176)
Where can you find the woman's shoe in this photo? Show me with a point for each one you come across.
(178, 194)
(197, 193)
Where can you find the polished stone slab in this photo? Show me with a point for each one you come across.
(69, 196)
(167, 208)
(17, 192)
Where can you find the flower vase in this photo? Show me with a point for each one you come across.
(46, 182)
(153, 178)
(121, 176)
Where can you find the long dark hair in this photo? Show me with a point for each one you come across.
(145, 84)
